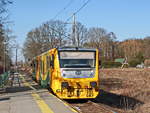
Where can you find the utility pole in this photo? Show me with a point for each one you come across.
(16, 58)
(74, 41)
(4, 69)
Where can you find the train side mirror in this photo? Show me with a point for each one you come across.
(100, 62)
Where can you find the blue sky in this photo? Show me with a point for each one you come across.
(126, 18)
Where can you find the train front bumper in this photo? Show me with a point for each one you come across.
(78, 91)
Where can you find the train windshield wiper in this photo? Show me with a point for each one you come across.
(77, 66)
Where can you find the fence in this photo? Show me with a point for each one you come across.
(4, 79)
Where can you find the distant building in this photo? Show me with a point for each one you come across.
(123, 61)
(120, 60)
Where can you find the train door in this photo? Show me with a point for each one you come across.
(51, 68)
(38, 69)
(48, 69)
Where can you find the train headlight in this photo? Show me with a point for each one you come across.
(92, 73)
(63, 73)
(93, 84)
(64, 85)
(58, 90)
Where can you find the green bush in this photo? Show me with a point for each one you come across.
(111, 64)
(134, 62)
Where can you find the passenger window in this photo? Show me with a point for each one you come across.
(52, 61)
(48, 62)
(36, 63)
(43, 67)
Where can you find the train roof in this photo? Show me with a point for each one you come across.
(68, 48)
(75, 48)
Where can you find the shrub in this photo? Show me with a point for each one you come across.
(134, 62)
(111, 64)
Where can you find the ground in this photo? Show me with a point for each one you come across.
(122, 91)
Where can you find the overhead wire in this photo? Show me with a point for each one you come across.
(69, 3)
(70, 16)
(63, 9)
(78, 10)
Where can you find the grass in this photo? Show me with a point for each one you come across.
(129, 82)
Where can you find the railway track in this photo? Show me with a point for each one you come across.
(92, 107)
(88, 106)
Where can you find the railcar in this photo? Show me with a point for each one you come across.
(71, 73)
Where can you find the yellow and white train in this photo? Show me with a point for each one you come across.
(71, 73)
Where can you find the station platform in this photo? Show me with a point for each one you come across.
(25, 96)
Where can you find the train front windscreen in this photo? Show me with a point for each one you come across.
(77, 64)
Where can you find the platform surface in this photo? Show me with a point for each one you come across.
(25, 96)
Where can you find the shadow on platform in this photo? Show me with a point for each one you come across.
(16, 89)
(4, 99)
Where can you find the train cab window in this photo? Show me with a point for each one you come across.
(43, 66)
(40, 66)
(73, 59)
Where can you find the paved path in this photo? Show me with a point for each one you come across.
(26, 97)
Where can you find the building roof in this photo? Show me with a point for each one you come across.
(121, 60)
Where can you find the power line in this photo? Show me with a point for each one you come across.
(70, 16)
(79, 9)
(69, 3)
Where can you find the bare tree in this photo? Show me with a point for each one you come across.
(49, 35)
(96, 36)
(132, 48)
(81, 34)
(146, 45)
(4, 10)
(78, 36)
(99, 38)
(4, 34)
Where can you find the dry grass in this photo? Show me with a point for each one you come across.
(130, 82)
(122, 90)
